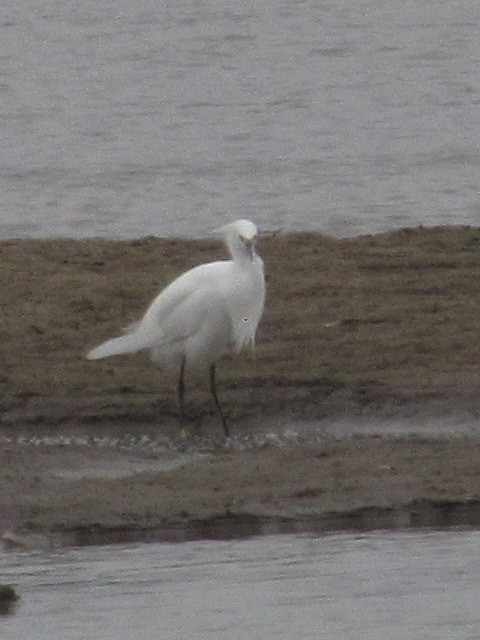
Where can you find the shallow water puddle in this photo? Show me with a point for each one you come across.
(125, 467)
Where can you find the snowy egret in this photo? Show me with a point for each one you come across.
(202, 313)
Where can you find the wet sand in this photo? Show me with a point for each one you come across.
(368, 330)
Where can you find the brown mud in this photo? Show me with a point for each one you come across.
(364, 330)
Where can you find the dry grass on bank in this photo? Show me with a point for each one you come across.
(371, 321)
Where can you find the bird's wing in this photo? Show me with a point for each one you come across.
(192, 285)
(174, 314)
(202, 309)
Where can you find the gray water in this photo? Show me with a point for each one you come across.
(137, 117)
(378, 586)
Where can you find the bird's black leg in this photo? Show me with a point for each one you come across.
(181, 392)
(217, 403)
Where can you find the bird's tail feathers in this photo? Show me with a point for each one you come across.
(130, 343)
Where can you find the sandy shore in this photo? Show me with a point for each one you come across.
(370, 331)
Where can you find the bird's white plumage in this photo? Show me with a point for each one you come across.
(203, 312)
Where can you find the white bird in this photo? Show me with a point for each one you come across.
(202, 313)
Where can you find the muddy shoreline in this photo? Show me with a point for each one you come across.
(363, 331)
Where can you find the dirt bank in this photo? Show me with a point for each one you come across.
(383, 326)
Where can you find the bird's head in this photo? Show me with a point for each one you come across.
(240, 237)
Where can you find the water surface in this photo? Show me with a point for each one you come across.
(377, 586)
(134, 118)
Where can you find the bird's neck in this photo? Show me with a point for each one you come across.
(240, 256)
